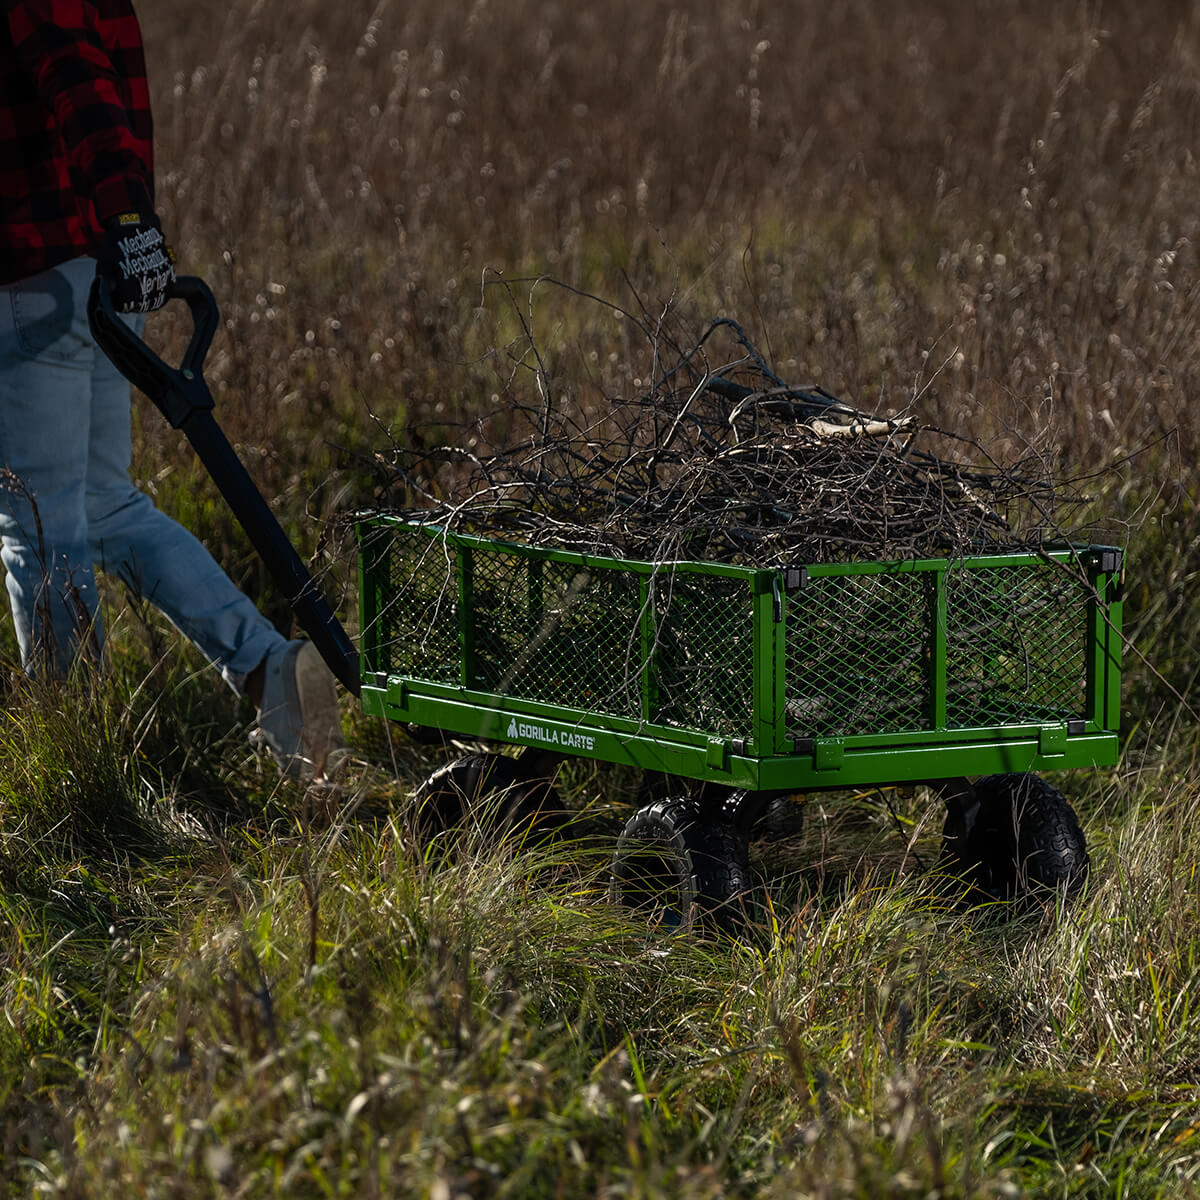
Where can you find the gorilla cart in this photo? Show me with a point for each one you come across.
(734, 688)
(742, 687)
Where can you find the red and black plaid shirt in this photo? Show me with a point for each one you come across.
(75, 130)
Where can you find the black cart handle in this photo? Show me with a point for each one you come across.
(180, 391)
(182, 396)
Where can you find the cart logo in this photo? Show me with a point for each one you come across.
(520, 730)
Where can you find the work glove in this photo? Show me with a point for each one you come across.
(137, 262)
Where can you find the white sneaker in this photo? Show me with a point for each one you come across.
(298, 721)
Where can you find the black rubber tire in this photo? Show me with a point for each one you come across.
(682, 870)
(492, 793)
(1013, 836)
(782, 818)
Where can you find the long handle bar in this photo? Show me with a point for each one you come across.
(183, 397)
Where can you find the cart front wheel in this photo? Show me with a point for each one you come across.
(681, 870)
(490, 794)
(1015, 835)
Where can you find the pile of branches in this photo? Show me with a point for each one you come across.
(732, 464)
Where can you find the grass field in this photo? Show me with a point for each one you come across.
(216, 984)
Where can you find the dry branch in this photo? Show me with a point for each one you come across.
(729, 464)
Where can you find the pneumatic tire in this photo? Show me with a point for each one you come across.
(1013, 836)
(491, 794)
(681, 870)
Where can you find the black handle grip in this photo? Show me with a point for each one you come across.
(176, 391)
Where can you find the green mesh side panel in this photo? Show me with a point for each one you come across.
(857, 658)
(677, 647)
(704, 654)
(1015, 645)
(556, 632)
(418, 607)
(569, 634)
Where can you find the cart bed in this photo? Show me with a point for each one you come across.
(809, 677)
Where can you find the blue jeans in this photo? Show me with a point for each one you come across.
(67, 502)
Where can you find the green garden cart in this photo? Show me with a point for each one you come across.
(736, 690)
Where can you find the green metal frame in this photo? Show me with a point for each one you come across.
(771, 753)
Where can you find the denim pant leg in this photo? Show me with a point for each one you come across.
(155, 556)
(123, 532)
(46, 360)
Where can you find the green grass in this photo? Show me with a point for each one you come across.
(240, 987)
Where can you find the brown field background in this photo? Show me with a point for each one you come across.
(990, 207)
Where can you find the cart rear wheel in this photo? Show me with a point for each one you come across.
(490, 793)
(1015, 835)
(680, 869)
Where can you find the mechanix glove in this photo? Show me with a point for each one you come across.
(137, 262)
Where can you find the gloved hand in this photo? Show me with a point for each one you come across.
(137, 262)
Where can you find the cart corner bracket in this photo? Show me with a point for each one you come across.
(718, 754)
(829, 754)
(1053, 740)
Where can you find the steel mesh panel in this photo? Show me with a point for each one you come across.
(418, 606)
(556, 632)
(858, 655)
(704, 653)
(1015, 645)
(859, 647)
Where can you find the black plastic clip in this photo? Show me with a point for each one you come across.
(794, 578)
(1108, 560)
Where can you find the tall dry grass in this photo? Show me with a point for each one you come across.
(984, 211)
(876, 188)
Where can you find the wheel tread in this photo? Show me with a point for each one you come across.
(1021, 835)
(712, 861)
